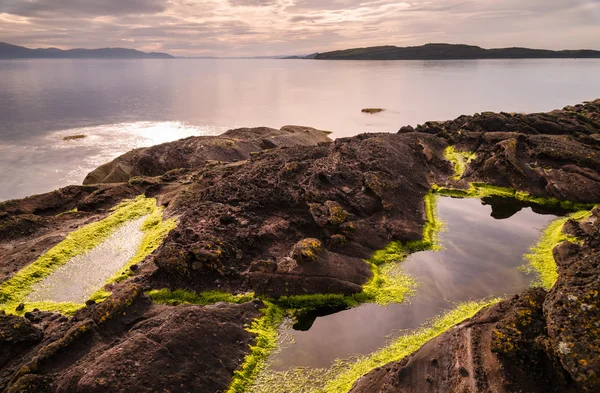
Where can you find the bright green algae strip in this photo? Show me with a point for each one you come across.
(343, 374)
(397, 251)
(267, 338)
(179, 296)
(460, 161)
(482, 190)
(14, 290)
(541, 258)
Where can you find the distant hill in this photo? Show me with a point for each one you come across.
(8, 51)
(451, 52)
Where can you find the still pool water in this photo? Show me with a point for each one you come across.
(480, 258)
(78, 279)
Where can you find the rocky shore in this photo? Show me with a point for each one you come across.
(291, 214)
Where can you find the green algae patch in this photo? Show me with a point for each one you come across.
(541, 258)
(460, 160)
(389, 284)
(81, 241)
(398, 251)
(267, 338)
(483, 190)
(344, 373)
(179, 296)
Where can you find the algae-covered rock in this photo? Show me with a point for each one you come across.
(553, 154)
(307, 250)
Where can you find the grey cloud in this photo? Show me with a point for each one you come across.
(251, 3)
(226, 28)
(48, 8)
(303, 18)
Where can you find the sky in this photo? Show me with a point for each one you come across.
(291, 27)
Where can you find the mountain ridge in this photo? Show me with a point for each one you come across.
(9, 51)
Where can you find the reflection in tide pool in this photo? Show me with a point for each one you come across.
(480, 258)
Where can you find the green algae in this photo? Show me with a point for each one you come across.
(267, 338)
(74, 210)
(460, 160)
(179, 296)
(398, 251)
(541, 258)
(388, 284)
(343, 374)
(15, 290)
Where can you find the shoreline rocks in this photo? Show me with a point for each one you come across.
(288, 212)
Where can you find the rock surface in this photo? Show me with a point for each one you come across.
(299, 217)
(129, 345)
(353, 196)
(554, 154)
(195, 152)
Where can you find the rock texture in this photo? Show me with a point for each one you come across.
(195, 152)
(298, 217)
(127, 345)
(554, 154)
(241, 224)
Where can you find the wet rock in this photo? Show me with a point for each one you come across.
(117, 304)
(20, 307)
(31, 383)
(554, 154)
(364, 191)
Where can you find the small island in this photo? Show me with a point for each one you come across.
(450, 52)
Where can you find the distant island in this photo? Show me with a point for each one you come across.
(448, 52)
(8, 51)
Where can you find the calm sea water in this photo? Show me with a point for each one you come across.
(123, 104)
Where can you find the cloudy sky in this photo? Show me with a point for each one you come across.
(276, 27)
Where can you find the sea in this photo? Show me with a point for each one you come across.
(120, 105)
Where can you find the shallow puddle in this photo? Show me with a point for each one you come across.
(85, 274)
(480, 257)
